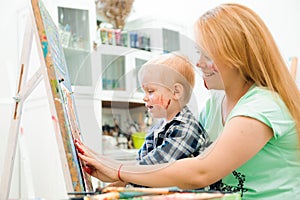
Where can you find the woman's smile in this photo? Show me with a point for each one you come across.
(209, 74)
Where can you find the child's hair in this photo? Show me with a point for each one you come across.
(178, 63)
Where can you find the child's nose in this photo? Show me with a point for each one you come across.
(145, 98)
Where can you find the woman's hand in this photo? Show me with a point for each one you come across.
(97, 165)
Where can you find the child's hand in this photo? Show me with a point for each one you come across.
(97, 165)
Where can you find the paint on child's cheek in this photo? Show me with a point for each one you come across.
(168, 104)
(156, 100)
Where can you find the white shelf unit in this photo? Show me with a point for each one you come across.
(77, 25)
(124, 65)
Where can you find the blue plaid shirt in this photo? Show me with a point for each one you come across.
(180, 138)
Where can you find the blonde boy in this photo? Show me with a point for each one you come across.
(168, 82)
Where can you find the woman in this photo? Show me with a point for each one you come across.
(257, 151)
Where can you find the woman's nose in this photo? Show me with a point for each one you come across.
(201, 64)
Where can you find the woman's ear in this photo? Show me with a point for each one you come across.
(178, 91)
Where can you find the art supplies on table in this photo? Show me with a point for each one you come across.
(140, 193)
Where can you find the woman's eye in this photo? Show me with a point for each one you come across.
(207, 58)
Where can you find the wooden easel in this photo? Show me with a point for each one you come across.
(54, 72)
(23, 91)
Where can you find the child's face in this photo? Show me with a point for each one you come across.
(157, 98)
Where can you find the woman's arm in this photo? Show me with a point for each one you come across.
(241, 139)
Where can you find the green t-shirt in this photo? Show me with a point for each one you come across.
(274, 172)
(211, 116)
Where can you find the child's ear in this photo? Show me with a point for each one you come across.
(178, 91)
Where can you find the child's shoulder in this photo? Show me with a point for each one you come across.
(186, 116)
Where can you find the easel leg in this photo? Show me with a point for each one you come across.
(17, 111)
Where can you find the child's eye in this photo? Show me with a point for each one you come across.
(150, 91)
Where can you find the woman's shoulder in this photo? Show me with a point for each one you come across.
(260, 95)
(263, 104)
(266, 106)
